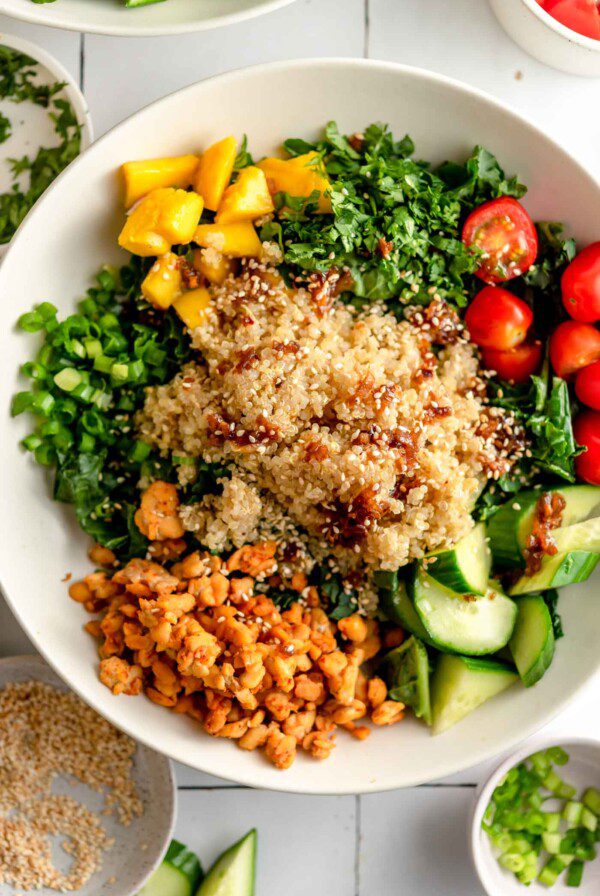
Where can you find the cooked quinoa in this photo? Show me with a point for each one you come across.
(371, 434)
(46, 732)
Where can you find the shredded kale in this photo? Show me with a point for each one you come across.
(17, 72)
(340, 600)
(380, 193)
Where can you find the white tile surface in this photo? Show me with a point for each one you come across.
(410, 841)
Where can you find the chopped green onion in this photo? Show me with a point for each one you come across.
(572, 813)
(87, 443)
(575, 874)
(139, 452)
(21, 402)
(552, 821)
(588, 820)
(512, 861)
(557, 786)
(31, 442)
(42, 403)
(557, 755)
(67, 379)
(552, 842)
(119, 372)
(93, 347)
(591, 799)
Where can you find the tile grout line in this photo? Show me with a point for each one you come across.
(357, 836)
(357, 797)
(82, 62)
(367, 29)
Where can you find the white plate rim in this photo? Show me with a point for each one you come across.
(254, 778)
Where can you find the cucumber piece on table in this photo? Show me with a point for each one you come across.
(406, 670)
(454, 624)
(557, 571)
(460, 684)
(509, 528)
(178, 875)
(465, 568)
(532, 643)
(234, 872)
(396, 605)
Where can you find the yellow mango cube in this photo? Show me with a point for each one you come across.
(162, 218)
(300, 176)
(192, 306)
(237, 240)
(143, 176)
(212, 265)
(163, 282)
(247, 199)
(214, 171)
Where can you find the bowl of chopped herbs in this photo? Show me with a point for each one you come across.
(44, 125)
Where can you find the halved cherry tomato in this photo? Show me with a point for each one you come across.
(582, 16)
(587, 385)
(496, 318)
(580, 285)
(572, 346)
(515, 364)
(506, 236)
(586, 429)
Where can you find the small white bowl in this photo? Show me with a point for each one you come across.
(32, 126)
(540, 35)
(582, 770)
(139, 847)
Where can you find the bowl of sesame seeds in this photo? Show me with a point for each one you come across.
(83, 808)
(313, 497)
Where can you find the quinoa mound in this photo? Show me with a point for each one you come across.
(372, 434)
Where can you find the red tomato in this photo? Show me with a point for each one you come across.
(581, 285)
(572, 346)
(587, 386)
(516, 364)
(586, 429)
(498, 319)
(582, 16)
(503, 231)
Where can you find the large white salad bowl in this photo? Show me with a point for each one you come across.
(73, 230)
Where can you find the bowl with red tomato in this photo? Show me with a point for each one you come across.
(564, 34)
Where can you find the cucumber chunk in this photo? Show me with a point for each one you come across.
(465, 568)
(460, 684)
(579, 537)
(178, 875)
(397, 606)
(532, 643)
(557, 571)
(406, 670)
(234, 872)
(474, 627)
(510, 526)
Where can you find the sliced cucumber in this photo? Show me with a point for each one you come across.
(406, 669)
(460, 684)
(557, 571)
(579, 537)
(454, 624)
(234, 872)
(398, 607)
(509, 527)
(465, 568)
(178, 875)
(532, 643)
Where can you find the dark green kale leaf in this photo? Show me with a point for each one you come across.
(340, 600)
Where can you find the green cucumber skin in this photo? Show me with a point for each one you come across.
(398, 608)
(558, 571)
(532, 644)
(178, 875)
(448, 567)
(410, 659)
(218, 879)
(461, 684)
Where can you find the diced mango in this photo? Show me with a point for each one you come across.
(216, 268)
(247, 199)
(237, 240)
(192, 306)
(298, 177)
(163, 283)
(141, 177)
(164, 217)
(214, 171)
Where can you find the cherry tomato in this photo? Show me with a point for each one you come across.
(587, 385)
(582, 16)
(581, 285)
(586, 429)
(572, 346)
(498, 319)
(515, 364)
(503, 231)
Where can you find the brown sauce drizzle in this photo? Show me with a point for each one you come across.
(547, 516)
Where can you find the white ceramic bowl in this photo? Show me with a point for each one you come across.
(111, 17)
(34, 126)
(125, 867)
(582, 770)
(40, 540)
(546, 39)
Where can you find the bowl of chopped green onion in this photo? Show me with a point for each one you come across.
(44, 125)
(536, 821)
